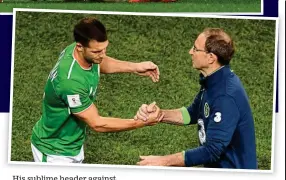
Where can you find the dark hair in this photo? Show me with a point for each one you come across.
(89, 29)
(219, 43)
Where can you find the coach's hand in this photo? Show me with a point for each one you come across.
(145, 110)
(151, 114)
(149, 69)
(152, 161)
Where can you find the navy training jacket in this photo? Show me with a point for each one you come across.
(225, 124)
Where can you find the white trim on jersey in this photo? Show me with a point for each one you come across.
(77, 61)
(84, 109)
(69, 75)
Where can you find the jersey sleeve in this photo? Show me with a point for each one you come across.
(193, 109)
(74, 94)
(222, 124)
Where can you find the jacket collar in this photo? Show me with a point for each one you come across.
(215, 77)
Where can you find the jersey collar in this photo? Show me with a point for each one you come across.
(215, 77)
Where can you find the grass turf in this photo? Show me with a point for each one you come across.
(40, 37)
(179, 6)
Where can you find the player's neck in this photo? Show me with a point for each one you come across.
(80, 59)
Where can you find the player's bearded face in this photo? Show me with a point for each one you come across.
(95, 52)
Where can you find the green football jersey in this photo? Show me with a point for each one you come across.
(69, 89)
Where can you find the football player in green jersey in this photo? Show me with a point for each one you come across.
(70, 91)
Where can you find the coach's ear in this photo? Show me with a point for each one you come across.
(212, 58)
(79, 47)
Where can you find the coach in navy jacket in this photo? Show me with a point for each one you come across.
(221, 110)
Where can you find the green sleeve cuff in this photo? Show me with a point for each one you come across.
(183, 153)
(186, 115)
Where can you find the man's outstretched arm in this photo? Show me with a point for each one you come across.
(109, 124)
(147, 68)
(172, 116)
(168, 160)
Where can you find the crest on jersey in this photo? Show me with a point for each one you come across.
(74, 100)
(206, 110)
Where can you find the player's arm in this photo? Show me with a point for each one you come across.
(111, 65)
(148, 68)
(108, 124)
(223, 120)
(76, 96)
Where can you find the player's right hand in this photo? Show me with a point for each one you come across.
(149, 113)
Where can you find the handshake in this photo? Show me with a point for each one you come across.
(150, 114)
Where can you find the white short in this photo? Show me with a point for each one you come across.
(40, 157)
